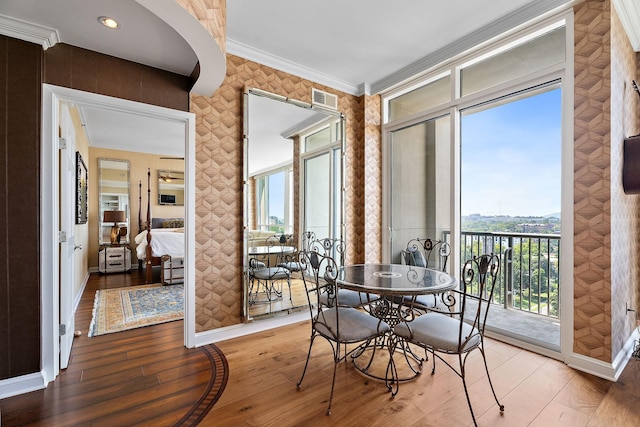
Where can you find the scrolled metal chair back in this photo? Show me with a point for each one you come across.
(321, 271)
(308, 237)
(330, 246)
(434, 252)
(478, 281)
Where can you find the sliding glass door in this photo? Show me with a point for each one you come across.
(321, 164)
(419, 184)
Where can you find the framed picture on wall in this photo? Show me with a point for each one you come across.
(82, 202)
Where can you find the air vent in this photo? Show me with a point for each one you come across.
(324, 99)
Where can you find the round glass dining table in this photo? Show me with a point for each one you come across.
(392, 284)
(394, 279)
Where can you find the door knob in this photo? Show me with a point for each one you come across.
(76, 247)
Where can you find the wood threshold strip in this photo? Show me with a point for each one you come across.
(217, 383)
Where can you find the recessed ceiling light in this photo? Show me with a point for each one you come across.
(109, 22)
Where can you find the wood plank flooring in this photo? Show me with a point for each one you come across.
(143, 376)
(146, 377)
(536, 391)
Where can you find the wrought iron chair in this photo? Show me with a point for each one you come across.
(290, 260)
(462, 330)
(270, 276)
(339, 325)
(336, 248)
(428, 253)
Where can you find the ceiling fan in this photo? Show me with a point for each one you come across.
(170, 178)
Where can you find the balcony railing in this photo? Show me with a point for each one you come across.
(529, 274)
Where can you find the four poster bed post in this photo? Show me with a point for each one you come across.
(148, 258)
(165, 248)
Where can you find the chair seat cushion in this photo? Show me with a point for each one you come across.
(355, 325)
(291, 266)
(439, 332)
(428, 302)
(271, 273)
(424, 301)
(349, 298)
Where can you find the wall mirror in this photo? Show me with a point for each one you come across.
(113, 199)
(170, 187)
(293, 184)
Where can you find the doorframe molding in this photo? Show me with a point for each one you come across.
(49, 191)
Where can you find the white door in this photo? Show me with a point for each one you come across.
(67, 228)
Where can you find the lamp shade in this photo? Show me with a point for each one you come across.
(114, 216)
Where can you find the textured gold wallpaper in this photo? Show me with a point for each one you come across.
(219, 183)
(592, 174)
(373, 179)
(212, 14)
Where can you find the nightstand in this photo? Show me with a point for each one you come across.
(114, 258)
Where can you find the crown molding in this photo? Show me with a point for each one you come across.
(531, 11)
(629, 13)
(245, 51)
(23, 30)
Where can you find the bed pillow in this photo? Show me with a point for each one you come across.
(173, 223)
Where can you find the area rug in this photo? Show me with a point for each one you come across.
(120, 309)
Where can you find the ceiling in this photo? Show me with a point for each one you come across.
(359, 46)
(358, 42)
(271, 123)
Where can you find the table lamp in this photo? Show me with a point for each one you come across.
(115, 217)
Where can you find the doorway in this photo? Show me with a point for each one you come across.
(53, 96)
(510, 199)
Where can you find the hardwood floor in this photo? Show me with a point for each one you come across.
(536, 391)
(143, 376)
(146, 377)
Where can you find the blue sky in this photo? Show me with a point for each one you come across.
(511, 157)
(276, 195)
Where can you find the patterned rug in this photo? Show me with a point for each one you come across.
(132, 307)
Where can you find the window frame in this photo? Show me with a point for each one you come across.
(562, 71)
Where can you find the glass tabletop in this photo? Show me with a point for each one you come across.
(394, 279)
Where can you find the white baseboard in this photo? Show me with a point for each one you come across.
(592, 366)
(235, 331)
(78, 298)
(607, 370)
(22, 384)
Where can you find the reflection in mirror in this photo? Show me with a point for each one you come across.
(170, 188)
(113, 188)
(292, 185)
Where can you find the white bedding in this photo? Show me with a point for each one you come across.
(164, 241)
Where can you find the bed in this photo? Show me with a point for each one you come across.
(160, 241)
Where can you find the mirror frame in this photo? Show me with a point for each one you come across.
(245, 183)
(127, 209)
(160, 182)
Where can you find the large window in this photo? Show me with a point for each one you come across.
(510, 158)
(274, 201)
(533, 55)
(321, 171)
(473, 156)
